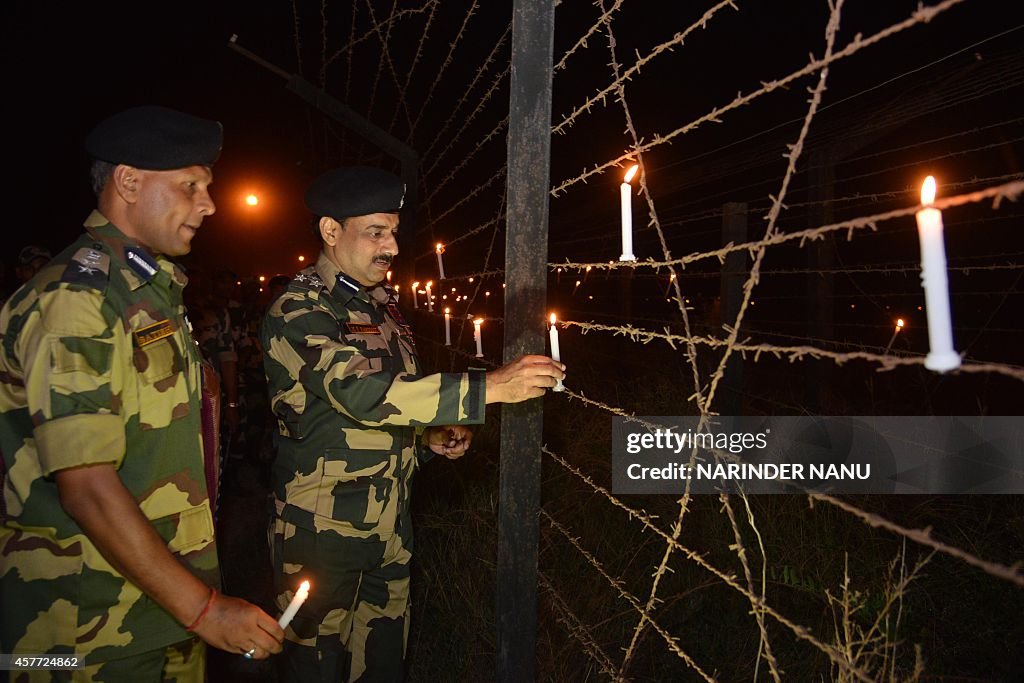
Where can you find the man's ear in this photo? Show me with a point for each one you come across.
(126, 181)
(329, 230)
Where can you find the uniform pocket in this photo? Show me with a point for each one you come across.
(358, 492)
(186, 531)
(157, 361)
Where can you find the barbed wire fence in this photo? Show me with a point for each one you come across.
(463, 142)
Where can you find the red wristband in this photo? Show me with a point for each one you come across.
(209, 603)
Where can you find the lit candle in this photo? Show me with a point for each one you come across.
(556, 354)
(295, 604)
(439, 249)
(430, 297)
(626, 200)
(447, 327)
(415, 302)
(389, 277)
(671, 279)
(477, 337)
(941, 356)
(575, 288)
(899, 327)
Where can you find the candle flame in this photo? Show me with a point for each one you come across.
(928, 191)
(899, 323)
(304, 588)
(552, 318)
(430, 283)
(478, 322)
(447, 311)
(415, 284)
(630, 173)
(439, 248)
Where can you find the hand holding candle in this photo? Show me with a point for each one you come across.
(941, 356)
(626, 201)
(294, 605)
(556, 353)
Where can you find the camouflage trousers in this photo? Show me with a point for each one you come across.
(183, 662)
(354, 625)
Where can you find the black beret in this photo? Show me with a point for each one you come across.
(355, 191)
(156, 139)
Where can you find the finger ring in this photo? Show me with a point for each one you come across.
(248, 653)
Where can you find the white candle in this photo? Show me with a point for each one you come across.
(430, 297)
(439, 249)
(941, 356)
(415, 302)
(626, 201)
(478, 338)
(389, 277)
(556, 353)
(295, 604)
(447, 327)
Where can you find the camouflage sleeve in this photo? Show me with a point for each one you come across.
(66, 348)
(307, 352)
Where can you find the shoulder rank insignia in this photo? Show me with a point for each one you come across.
(362, 328)
(88, 267)
(152, 333)
(141, 262)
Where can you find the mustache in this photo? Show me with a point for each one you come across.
(386, 258)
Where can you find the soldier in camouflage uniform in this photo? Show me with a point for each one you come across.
(356, 417)
(106, 538)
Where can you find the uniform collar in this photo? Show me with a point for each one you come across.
(135, 262)
(344, 287)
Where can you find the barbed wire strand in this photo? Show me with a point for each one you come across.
(1010, 191)
(575, 628)
(922, 15)
(444, 66)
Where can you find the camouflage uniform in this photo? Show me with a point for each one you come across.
(97, 366)
(351, 404)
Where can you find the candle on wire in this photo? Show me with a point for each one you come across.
(447, 327)
(899, 328)
(941, 356)
(415, 302)
(478, 338)
(439, 249)
(556, 353)
(294, 605)
(626, 202)
(671, 279)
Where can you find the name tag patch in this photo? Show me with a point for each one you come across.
(153, 333)
(362, 328)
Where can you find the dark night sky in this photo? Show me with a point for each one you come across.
(67, 68)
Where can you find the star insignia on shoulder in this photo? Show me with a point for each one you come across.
(86, 269)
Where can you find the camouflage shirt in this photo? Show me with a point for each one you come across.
(97, 366)
(351, 403)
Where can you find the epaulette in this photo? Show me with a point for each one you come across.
(89, 267)
(309, 283)
(144, 265)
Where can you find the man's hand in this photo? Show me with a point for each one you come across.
(237, 626)
(95, 498)
(524, 378)
(451, 442)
